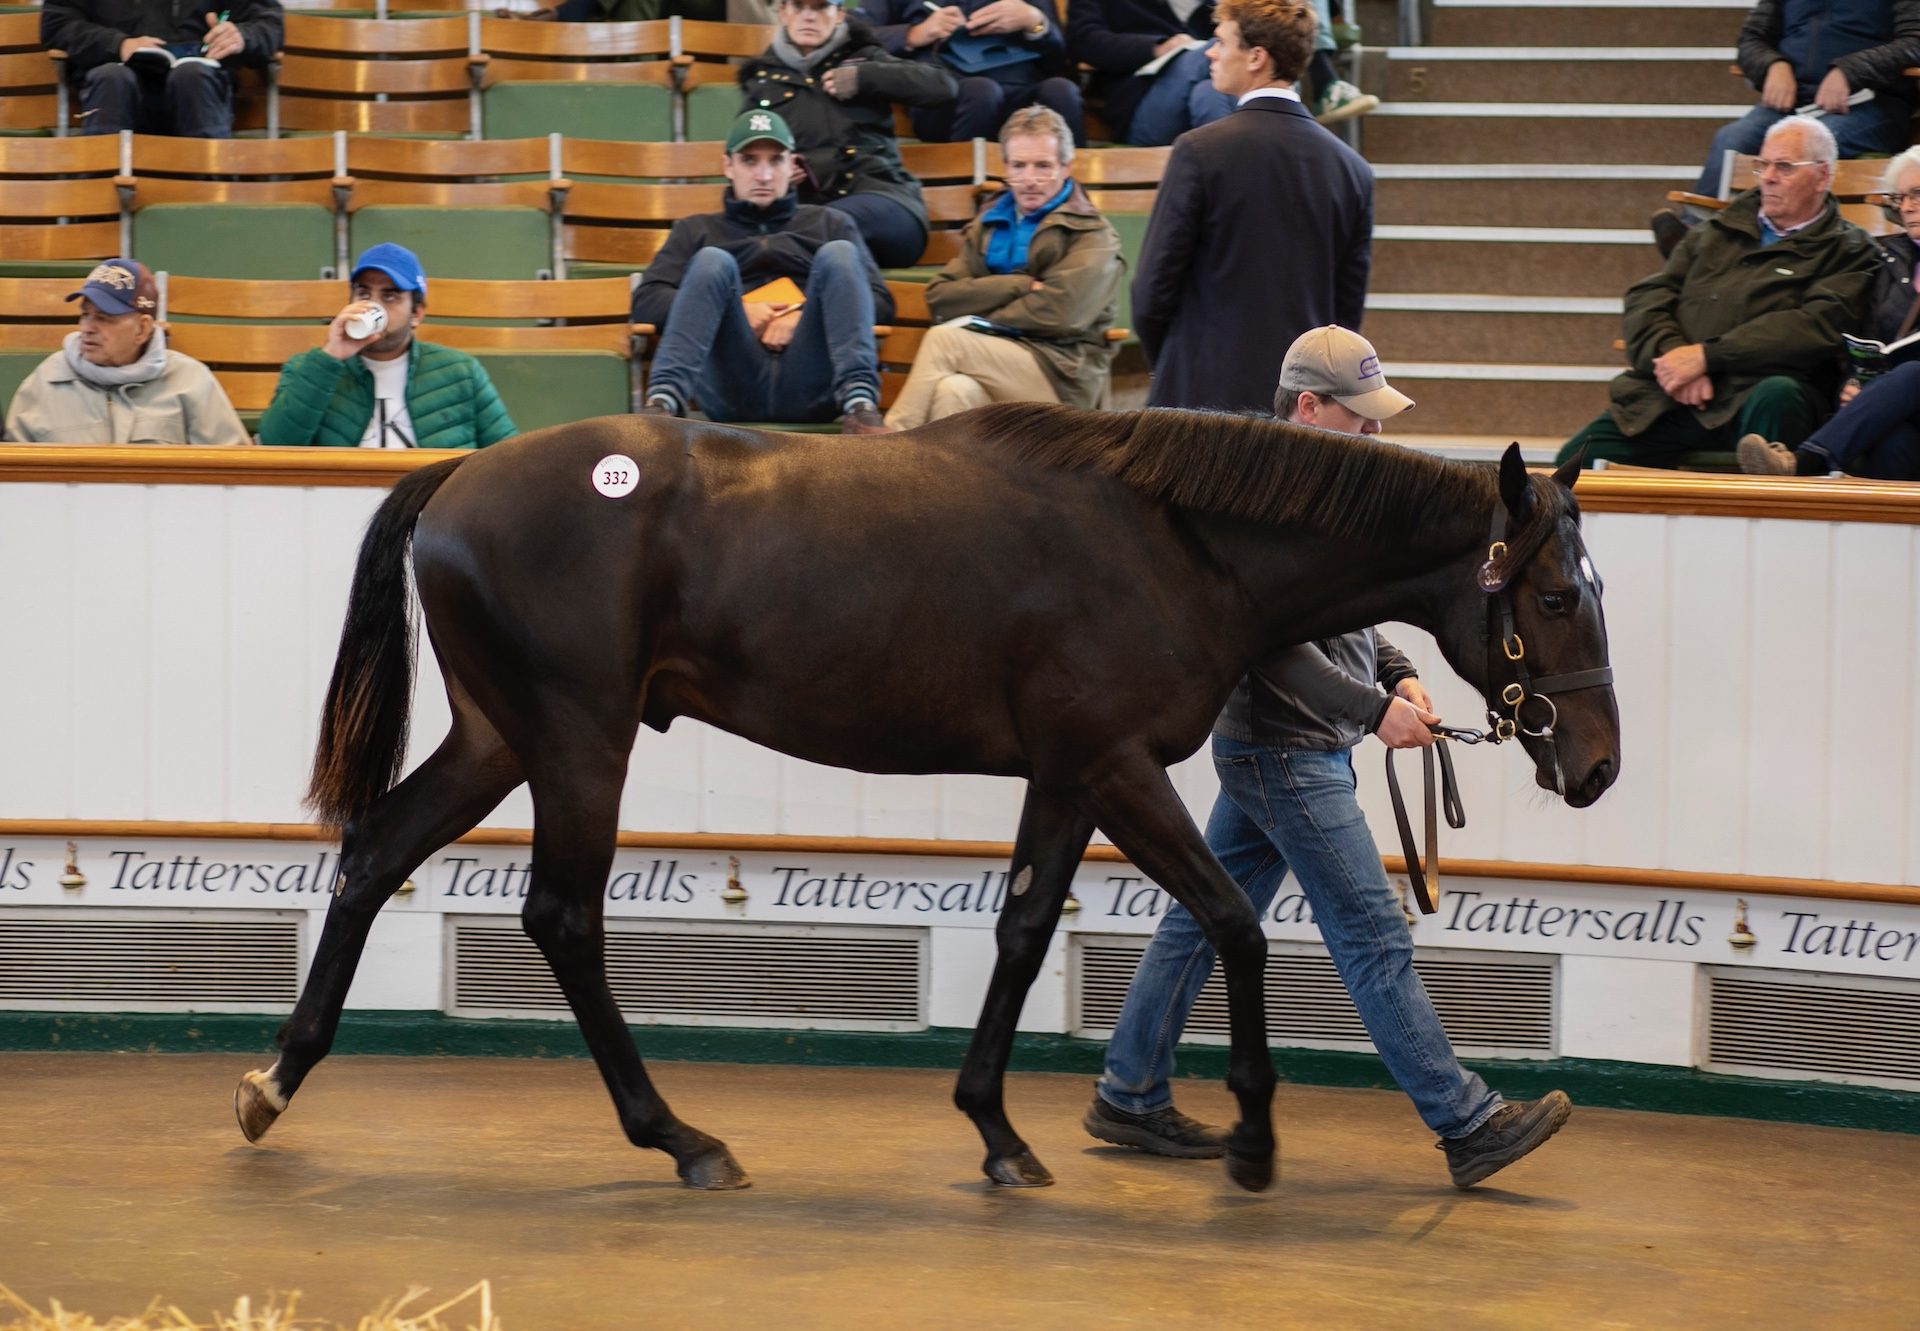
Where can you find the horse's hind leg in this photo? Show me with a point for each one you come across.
(1136, 805)
(576, 816)
(467, 776)
(1053, 835)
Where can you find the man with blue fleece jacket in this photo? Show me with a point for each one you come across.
(1825, 54)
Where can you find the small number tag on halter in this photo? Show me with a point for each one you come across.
(1490, 578)
(615, 475)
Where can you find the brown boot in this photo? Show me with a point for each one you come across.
(864, 418)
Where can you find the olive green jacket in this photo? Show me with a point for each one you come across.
(1756, 310)
(1075, 255)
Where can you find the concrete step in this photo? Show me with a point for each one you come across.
(1668, 75)
(1514, 401)
(1542, 131)
(1519, 261)
(1584, 23)
(1439, 326)
(1550, 195)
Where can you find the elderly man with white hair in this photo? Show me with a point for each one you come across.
(1737, 334)
(1877, 433)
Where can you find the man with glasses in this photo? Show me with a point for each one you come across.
(1025, 306)
(1727, 340)
(372, 384)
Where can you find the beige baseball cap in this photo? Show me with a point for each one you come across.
(1338, 363)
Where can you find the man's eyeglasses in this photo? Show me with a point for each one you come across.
(1785, 170)
(1901, 200)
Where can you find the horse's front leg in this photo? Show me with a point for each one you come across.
(461, 783)
(1053, 835)
(1136, 805)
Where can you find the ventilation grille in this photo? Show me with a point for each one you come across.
(1489, 1002)
(1844, 1027)
(730, 975)
(94, 960)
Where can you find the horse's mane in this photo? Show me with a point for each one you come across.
(1248, 467)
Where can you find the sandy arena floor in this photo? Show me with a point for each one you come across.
(122, 1177)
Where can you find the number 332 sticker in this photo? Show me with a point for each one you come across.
(615, 475)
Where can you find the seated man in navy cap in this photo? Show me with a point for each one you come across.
(766, 307)
(114, 381)
(373, 384)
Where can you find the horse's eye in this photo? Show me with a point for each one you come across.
(1555, 602)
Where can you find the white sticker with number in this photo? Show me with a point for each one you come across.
(615, 475)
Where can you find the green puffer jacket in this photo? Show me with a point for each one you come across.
(452, 403)
(1757, 310)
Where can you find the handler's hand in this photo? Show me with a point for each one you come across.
(1414, 692)
(1776, 94)
(223, 39)
(1405, 726)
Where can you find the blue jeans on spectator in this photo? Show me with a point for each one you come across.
(709, 352)
(983, 104)
(1877, 434)
(1879, 126)
(191, 101)
(894, 236)
(1182, 98)
(1281, 808)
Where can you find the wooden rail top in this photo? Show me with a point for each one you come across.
(1613, 491)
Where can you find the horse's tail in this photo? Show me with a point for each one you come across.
(363, 726)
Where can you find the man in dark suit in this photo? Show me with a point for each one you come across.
(1262, 228)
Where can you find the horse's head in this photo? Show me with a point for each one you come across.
(1532, 636)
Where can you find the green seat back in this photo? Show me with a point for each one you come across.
(631, 112)
(1133, 234)
(497, 244)
(544, 388)
(711, 110)
(15, 366)
(257, 242)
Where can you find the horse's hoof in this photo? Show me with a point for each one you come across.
(1252, 1172)
(256, 1104)
(717, 1172)
(1017, 1171)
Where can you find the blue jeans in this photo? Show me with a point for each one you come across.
(1296, 807)
(1182, 98)
(709, 353)
(1878, 433)
(1878, 126)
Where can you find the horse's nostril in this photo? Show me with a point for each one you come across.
(1601, 776)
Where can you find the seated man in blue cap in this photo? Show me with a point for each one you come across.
(766, 307)
(113, 381)
(373, 384)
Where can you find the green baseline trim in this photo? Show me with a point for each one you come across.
(1600, 1083)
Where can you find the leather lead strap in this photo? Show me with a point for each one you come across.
(1424, 878)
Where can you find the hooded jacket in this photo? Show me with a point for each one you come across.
(450, 400)
(1756, 310)
(183, 404)
(848, 146)
(1075, 253)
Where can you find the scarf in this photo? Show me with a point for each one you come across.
(789, 55)
(151, 365)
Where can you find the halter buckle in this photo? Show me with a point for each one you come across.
(1513, 647)
(1503, 728)
(1513, 695)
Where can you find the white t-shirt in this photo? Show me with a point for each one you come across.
(390, 391)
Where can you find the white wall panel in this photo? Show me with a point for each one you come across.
(176, 641)
(1872, 725)
(37, 617)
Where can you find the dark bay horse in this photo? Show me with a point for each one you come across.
(1067, 597)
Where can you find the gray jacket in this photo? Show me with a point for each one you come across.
(1325, 695)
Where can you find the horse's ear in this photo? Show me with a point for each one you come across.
(1568, 472)
(1515, 489)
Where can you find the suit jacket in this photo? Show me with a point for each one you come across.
(1262, 229)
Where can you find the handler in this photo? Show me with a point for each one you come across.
(1282, 749)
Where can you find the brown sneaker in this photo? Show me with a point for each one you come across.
(1762, 457)
(864, 418)
(1162, 1132)
(1515, 1130)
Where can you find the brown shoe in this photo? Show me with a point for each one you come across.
(1760, 456)
(864, 418)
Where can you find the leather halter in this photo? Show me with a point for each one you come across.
(1503, 643)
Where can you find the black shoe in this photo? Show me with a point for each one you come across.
(1513, 1131)
(864, 418)
(1162, 1132)
(1669, 229)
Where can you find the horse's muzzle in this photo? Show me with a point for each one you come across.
(1594, 784)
